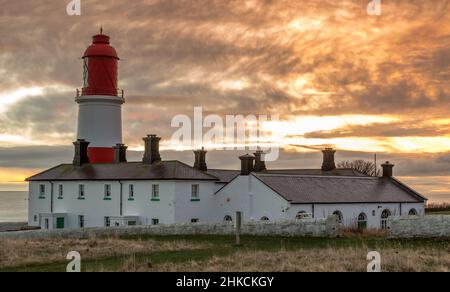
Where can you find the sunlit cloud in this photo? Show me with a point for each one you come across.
(8, 98)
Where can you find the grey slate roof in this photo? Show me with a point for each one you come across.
(299, 189)
(166, 170)
(224, 175)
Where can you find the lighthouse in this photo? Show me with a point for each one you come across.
(100, 101)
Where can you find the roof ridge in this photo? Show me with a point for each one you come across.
(313, 175)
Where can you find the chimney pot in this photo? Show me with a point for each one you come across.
(151, 152)
(81, 152)
(120, 153)
(247, 164)
(328, 159)
(387, 169)
(260, 164)
(200, 160)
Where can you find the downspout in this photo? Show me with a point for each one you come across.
(121, 199)
(51, 197)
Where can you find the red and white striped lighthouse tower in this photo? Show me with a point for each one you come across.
(100, 101)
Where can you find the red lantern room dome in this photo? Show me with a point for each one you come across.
(100, 68)
(101, 48)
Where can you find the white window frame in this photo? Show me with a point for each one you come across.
(131, 191)
(81, 191)
(195, 192)
(81, 221)
(108, 191)
(41, 191)
(107, 222)
(60, 191)
(155, 192)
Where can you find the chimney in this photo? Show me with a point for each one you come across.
(81, 152)
(151, 153)
(328, 159)
(246, 164)
(200, 160)
(387, 169)
(120, 153)
(260, 164)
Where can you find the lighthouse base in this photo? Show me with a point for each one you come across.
(101, 155)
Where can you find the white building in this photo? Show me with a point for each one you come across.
(100, 188)
(166, 192)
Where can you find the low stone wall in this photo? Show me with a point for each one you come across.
(304, 228)
(430, 226)
(13, 226)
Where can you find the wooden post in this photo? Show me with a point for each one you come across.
(238, 227)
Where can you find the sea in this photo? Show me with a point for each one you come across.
(13, 206)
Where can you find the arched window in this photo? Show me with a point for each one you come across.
(413, 212)
(228, 218)
(384, 216)
(302, 215)
(362, 221)
(338, 214)
(265, 219)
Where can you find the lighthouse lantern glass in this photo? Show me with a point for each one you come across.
(85, 72)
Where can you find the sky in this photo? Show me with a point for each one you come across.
(333, 74)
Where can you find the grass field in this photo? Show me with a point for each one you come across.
(218, 253)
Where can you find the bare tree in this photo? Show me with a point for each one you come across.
(362, 166)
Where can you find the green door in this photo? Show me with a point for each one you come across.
(59, 223)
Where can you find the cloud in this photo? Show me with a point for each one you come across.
(295, 58)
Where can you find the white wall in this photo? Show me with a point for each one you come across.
(185, 209)
(174, 206)
(246, 194)
(252, 197)
(249, 196)
(37, 206)
(94, 207)
(146, 209)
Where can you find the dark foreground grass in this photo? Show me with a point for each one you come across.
(223, 246)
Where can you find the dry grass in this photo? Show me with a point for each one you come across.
(15, 253)
(311, 260)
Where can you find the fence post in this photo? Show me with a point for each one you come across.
(238, 227)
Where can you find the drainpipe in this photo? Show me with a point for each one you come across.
(51, 197)
(121, 199)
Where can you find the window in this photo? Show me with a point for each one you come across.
(339, 216)
(81, 221)
(265, 219)
(302, 215)
(228, 218)
(107, 192)
(35, 218)
(384, 218)
(194, 220)
(155, 192)
(46, 223)
(132, 223)
(155, 221)
(42, 191)
(86, 72)
(362, 221)
(107, 222)
(131, 192)
(195, 195)
(413, 212)
(81, 192)
(60, 191)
